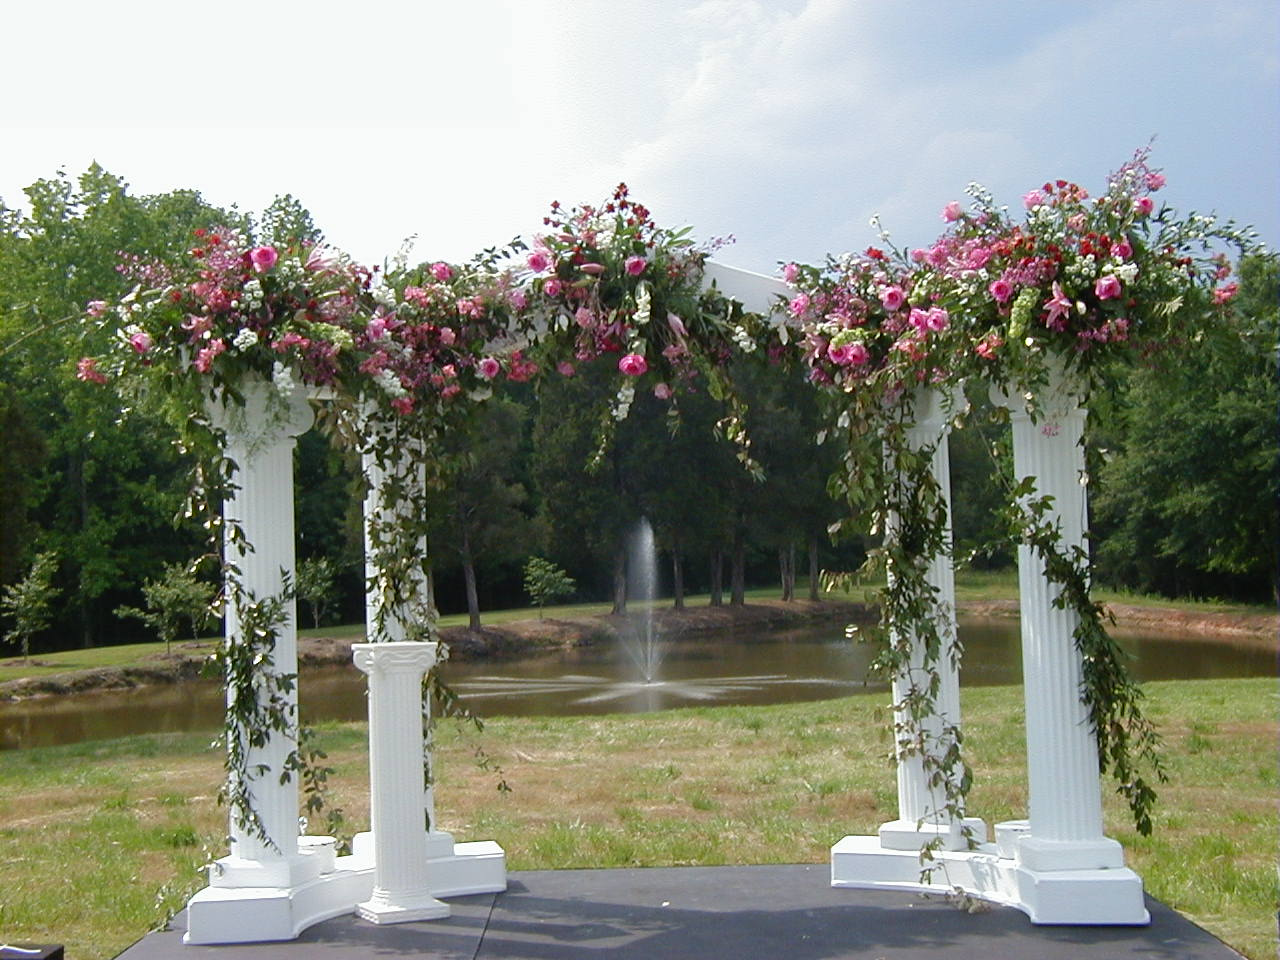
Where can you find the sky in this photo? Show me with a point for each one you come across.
(786, 124)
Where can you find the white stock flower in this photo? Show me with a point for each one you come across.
(244, 339)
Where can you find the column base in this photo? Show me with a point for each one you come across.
(235, 872)
(1041, 855)
(910, 835)
(453, 869)
(1110, 897)
(380, 909)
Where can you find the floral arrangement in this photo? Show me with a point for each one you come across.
(1081, 278)
(607, 281)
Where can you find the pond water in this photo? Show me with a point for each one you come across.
(814, 663)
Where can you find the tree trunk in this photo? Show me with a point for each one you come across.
(469, 576)
(787, 567)
(738, 571)
(83, 606)
(619, 581)
(717, 577)
(813, 567)
(677, 580)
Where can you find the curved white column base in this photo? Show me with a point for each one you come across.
(1078, 897)
(258, 914)
(910, 835)
(401, 909)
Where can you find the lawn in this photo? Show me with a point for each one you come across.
(99, 839)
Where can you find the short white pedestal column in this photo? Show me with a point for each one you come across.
(401, 890)
(267, 888)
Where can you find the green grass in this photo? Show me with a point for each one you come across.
(99, 839)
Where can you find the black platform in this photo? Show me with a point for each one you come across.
(711, 913)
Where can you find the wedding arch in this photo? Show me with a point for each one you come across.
(249, 344)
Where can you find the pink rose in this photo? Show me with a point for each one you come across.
(87, 370)
(892, 297)
(552, 287)
(1001, 289)
(951, 213)
(538, 260)
(919, 319)
(402, 405)
(789, 272)
(798, 305)
(449, 371)
(447, 336)
(918, 255)
(1225, 293)
(1107, 288)
(595, 269)
(565, 368)
(839, 355)
(441, 271)
(633, 365)
(1155, 180)
(858, 354)
(662, 391)
(1143, 206)
(635, 265)
(489, 368)
(263, 258)
(140, 341)
(518, 299)
(204, 359)
(1122, 249)
(584, 317)
(937, 319)
(1032, 199)
(96, 308)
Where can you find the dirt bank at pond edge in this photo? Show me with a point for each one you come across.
(521, 638)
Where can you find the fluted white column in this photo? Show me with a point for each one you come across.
(1064, 788)
(260, 437)
(921, 816)
(397, 785)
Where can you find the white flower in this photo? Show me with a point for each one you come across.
(643, 298)
(244, 339)
(282, 378)
(390, 384)
(1126, 271)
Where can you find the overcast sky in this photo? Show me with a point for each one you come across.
(786, 123)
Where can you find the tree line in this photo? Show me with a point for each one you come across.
(1183, 494)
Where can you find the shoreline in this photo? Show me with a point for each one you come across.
(521, 638)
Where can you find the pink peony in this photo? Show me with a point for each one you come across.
(951, 213)
(1143, 206)
(633, 365)
(263, 258)
(489, 368)
(538, 260)
(1001, 289)
(789, 272)
(892, 297)
(1032, 199)
(140, 341)
(662, 391)
(87, 370)
(1107, 288)
(96, 308)
(1225, 293)
(552, 287)
(635, 265)
(1155, 180)
(441, 271)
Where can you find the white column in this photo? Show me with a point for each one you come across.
(397, 782)
(1065, 831)
(921, 816)
(260, 439)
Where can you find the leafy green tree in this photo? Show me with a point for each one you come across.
(545, 582)
(175, 598)
(29, 602)
(1188, 499)
(317, 585)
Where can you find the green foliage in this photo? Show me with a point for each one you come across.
(317, 585)
(545, 582)
(29, 602)
(178, 596)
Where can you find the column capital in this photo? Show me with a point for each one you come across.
(268, 414)
(402, 656)
(1060, 397)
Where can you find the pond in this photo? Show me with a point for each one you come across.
(814, 663)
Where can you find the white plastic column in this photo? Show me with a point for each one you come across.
(402, 891)
(920, 815)
(259, 440)
(1065, 793)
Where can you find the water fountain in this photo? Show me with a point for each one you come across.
(642, 590)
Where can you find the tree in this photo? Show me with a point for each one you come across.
(317, 585)
(22, 455)
(178, 596)
(29, 602)
(546, 582)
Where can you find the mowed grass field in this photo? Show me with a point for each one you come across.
(98, 841)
